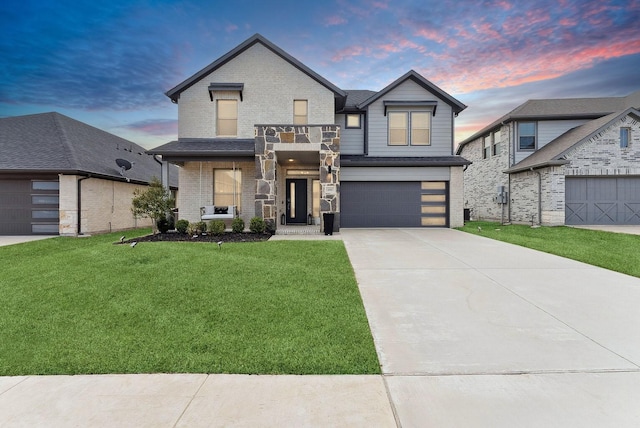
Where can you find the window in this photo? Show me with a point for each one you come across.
(300, 115)
(398, 125)
(227, 187)
(496, 143)
(486, 146)
(45, 200)
(45, 185)
(420, 124)
(353, 121)
(625, 136)
(227, 123)
(526, 136)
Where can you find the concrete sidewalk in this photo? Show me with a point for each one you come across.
(469, 332)
(475, 332)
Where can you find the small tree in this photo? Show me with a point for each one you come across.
(152, 202)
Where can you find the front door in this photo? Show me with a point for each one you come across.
(296, 200)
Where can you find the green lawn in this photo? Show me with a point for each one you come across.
(72, 306)
(615, 251)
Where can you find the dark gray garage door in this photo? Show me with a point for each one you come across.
(29, 207)
(610, 200)
(393, 204)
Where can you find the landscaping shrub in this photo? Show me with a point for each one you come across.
(257, 225)
(237, 225)
(200, 227)
(270, 227)
(217, 227)
(163, 224)
(182, 226)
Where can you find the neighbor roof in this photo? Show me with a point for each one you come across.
(553, 152)
(54, 143)
(561, 108)
(175, 92)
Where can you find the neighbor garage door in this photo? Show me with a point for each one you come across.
(394, 204)
(610, 200)
(29, 207)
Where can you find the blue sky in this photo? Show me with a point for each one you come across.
(109, 63)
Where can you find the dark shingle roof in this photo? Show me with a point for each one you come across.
(361, 160)
(53, 142)
(355, 97)
(553, 152)
(562, 108)
(207, 146)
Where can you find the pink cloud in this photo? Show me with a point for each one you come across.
(334, 20)
(231, 28)
(380, 5)
(348, 52)
(430, 34)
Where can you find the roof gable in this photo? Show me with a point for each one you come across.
(553, 152)
(560, 108)
(56, 143)
(417, 78)
(175, 92)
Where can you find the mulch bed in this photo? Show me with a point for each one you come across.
(184, 237)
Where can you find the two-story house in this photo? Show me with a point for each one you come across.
(557, 161)
(261, 132)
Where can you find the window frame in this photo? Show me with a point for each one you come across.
(486, 146)
(495, 140)
(625, 137)
(346, 121)
(535, 136)
(238, 187)
(218, 118)
(412, 128)
(296, 117)
(409, 129)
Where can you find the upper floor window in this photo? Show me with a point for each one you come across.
(526, 136)
(496, 143)
(625, 136)
(420, 128)
(300, 112)
(227, 120)
(409, 128)
(486, 146)
(352, 121)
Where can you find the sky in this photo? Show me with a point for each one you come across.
(109, 63)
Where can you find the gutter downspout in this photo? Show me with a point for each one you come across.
(79, 193)
(539, 196)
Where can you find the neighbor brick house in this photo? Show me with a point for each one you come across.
(60, 176)
(559, 161)
(261, 131)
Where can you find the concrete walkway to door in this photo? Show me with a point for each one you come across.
(476, 332)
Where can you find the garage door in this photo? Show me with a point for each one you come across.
(394, 204)
(610, 200)
(29, 207)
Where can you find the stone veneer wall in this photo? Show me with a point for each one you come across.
(482, 178)
(269, 139)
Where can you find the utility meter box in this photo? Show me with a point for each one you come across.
(503, 196)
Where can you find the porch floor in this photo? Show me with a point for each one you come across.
(294, 229)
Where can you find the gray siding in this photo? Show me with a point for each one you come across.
(351, 140)
(552, 129)
(441, 124)
(394, 174)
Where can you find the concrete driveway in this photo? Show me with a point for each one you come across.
(475, 332)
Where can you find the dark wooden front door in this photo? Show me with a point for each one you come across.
(296, 200)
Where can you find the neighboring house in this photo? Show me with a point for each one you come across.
(53, 167)
(560, 161)
(261, 131)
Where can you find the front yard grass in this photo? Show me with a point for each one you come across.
(83, 306)
(615, 251)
